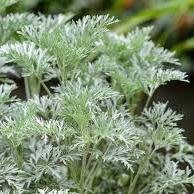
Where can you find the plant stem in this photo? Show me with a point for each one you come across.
(19, 156)
(91, 176)
(90, 158)
(45, 87)
(133, 183)
(142, 165)
(83, 168)
(27, 91)
(90, 173)
(34, 85)
(148, 101)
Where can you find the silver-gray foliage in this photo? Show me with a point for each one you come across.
(84, 135)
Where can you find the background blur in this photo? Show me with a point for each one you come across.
(173, 22)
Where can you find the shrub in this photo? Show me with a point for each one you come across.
(84, 135)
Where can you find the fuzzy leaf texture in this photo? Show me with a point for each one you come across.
(80, 132)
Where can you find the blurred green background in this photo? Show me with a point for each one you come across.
(173, 22)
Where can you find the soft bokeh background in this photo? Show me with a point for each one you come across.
(173, 22)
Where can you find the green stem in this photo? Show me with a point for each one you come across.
(133, 183)
(90, 174)
(148, 101)
(27, 91)
(90, 158)
(90, 178)
(34, 85)
(19, 156)
(45, 87)
(83, 168)
(142, 165)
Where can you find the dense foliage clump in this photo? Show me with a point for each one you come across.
(83, 134)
